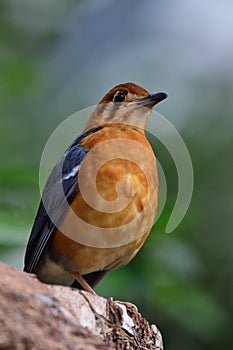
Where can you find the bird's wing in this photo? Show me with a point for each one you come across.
(53, 205)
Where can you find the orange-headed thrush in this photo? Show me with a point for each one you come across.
(78, 235)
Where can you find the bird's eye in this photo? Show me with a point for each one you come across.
(119, 96)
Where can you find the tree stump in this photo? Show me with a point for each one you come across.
(34, 315)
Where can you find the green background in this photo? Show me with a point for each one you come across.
(57, 57)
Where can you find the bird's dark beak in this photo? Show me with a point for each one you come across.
(152, 99)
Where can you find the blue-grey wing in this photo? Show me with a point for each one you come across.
(60, 188)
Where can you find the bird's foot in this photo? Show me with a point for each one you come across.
(83, 283)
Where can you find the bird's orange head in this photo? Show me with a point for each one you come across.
(126, 103)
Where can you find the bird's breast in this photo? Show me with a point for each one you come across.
(115, 203)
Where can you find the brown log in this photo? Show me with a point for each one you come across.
(34, 315)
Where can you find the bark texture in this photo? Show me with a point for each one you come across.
(34, 315)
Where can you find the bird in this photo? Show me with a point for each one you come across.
(78, 235)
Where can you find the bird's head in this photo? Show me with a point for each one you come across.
(125, 103)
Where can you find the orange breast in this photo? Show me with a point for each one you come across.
(115, 204)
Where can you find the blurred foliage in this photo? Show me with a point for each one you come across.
(59, 56)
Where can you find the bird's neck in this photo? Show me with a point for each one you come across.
(104, 114)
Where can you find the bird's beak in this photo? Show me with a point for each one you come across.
(152, 99)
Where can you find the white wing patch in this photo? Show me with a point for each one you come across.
(72, 173)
